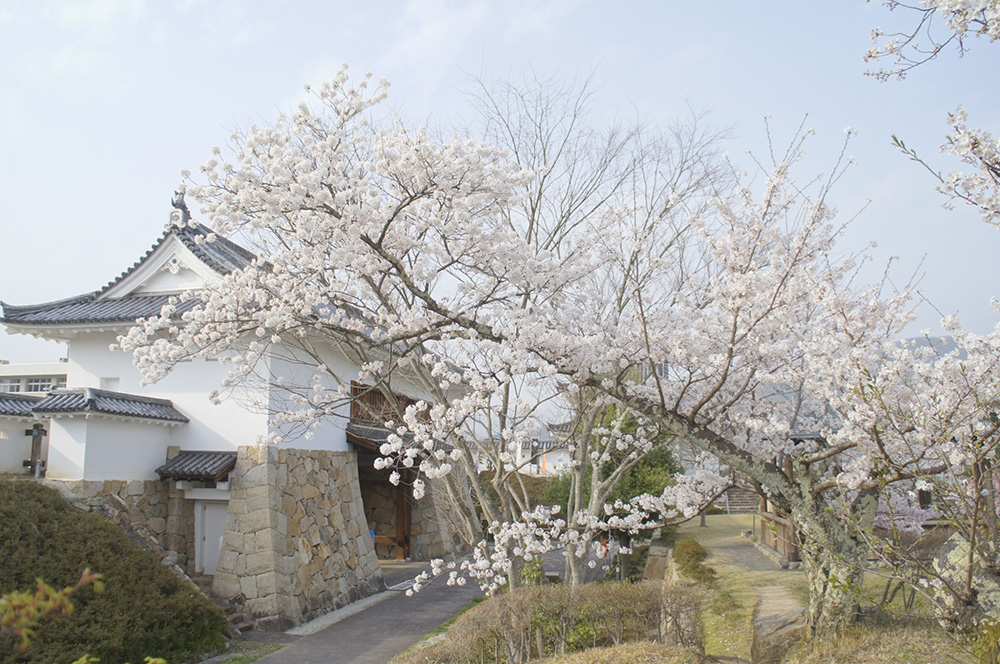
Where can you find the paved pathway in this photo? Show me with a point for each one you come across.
(382, 630)
(378, 628)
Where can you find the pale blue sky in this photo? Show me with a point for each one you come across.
(103, 102)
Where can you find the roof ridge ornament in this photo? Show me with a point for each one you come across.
(179, 216)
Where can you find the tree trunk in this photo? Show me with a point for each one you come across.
(833, 561)
(574, 566)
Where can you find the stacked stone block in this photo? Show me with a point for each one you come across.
(152, 510)
(432, 533)
(296, 543)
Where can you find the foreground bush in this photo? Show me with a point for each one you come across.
(145, 609)
(541, 621)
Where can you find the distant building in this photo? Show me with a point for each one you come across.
(547, 452)
(32, 378)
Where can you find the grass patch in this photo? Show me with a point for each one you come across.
(885, 644)
(629, 653)
(908, 636)
(146, 610)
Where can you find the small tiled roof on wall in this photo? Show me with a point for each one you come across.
(220, 254)
(105, 402)
(17, 405)
(198, 466)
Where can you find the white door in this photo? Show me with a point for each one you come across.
(209, 526)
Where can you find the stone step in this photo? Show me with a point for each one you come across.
(779, 620)
(740, 501)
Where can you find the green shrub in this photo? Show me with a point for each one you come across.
(689, 556)
(145, 608)
(986, 644)
(687, 551)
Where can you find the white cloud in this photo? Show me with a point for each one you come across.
(96, 17)
(430, 34)
(528, 16)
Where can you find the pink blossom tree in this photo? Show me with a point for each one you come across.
(943, 404)
(713, 308)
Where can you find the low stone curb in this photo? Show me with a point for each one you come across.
(335, 617)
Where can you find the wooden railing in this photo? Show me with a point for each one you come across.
(779, 534)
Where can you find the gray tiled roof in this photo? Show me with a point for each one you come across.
(193, 465)
(87, 400)
(221, 255)
(85, 309)
(17, 405)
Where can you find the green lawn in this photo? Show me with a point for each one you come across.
(728, 633)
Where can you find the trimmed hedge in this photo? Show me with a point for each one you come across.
(145, 610)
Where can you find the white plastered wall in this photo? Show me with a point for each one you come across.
(67, 448)
(101, 448)
(331, 435)
(15, 447)
(218, 427)
(124, 450)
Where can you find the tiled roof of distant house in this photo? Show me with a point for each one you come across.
(115, 404)
(220, 254)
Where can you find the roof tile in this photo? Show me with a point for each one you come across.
(17, 405)
(88, 400)
(196, 465)
(220, 254)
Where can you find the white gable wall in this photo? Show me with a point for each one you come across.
(331, 435)
(172, 267)
(166, 281)
(212, 427)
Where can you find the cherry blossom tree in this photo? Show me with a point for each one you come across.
(713, 308)
(974, 147)
(943, 404)
(926, 40)
(448, 243)
(661, 178)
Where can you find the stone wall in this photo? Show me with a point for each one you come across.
(153, 511)
(380, 514)
(296, 543)
(432, 534)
